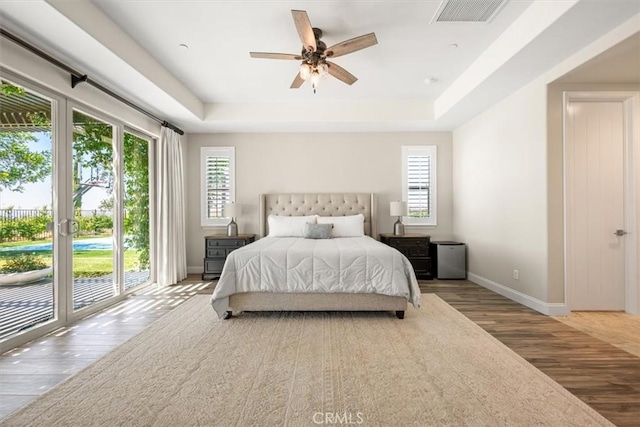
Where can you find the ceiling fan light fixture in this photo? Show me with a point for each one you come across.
(315, 79)
(305, 71)
(323, 70)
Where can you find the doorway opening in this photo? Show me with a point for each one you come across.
(601, 158)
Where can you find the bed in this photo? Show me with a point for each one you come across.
(298, 274)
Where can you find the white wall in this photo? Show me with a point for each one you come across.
(314, 162)
(508, 199)
(499, 192)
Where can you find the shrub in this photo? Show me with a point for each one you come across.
(29, 228)
(97, 223)
(22, 263)
(7, 230)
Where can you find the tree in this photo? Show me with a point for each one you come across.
(106, 205)
(136, 179)
(92, 151)
(20, 165)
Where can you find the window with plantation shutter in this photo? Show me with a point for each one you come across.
(218, 183)
(419, 184)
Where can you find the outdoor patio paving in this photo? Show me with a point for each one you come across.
(26, 305)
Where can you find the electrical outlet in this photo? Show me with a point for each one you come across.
(516, 274)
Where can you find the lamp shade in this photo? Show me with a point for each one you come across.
(398, 208)
(232, 210)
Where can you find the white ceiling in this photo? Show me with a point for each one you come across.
(214, 86)
(217, 66)
(618, 65)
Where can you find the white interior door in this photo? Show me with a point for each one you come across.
(595, 205)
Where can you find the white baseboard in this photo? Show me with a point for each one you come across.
(195, 270)
(550, 309)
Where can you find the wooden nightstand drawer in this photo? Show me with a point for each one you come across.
(215, 253)
(418, 251)
(214, 265)
(421, 265)
(416, 248)
(216, 250)
(214, 243)
(395, 242)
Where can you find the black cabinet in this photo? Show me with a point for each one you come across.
(416, 248)
(216, 250)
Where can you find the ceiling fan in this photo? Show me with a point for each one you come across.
(315, 53)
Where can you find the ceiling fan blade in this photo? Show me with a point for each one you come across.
(297, 82)
(269, 55)
(341, 74)
(305, 31)
(351, 45)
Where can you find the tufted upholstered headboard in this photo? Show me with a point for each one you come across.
(323, 204)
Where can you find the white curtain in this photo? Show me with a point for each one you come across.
(171, 253)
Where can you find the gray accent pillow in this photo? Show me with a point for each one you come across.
(317, 231)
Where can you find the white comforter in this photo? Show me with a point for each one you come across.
(339, 265)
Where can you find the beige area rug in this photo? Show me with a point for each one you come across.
(435, 367)
(208, 290)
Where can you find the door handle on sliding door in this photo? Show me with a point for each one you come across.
(75, 227)
(68, 227)
(63, 227)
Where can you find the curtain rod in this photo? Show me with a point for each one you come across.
(77, 78)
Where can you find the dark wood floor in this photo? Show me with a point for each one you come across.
(602, 375)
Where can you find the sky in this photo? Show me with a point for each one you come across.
(36, 196)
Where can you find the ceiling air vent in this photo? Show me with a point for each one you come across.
(468, 10)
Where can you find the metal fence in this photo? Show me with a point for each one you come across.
(9, 214)
(18, 225)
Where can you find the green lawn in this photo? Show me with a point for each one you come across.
(35, 242)
(93, 263)
(99, 263)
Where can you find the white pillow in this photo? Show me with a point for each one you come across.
(345, 226)
(289, 226)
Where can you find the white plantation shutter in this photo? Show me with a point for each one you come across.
(218, 176)
(418, 181)
(218, 184)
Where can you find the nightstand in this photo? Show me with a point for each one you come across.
(216, 249)
(416, 248)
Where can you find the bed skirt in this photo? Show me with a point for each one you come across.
(266, 301)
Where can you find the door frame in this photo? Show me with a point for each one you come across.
(118, 274)
(152, 144)
(62, 206)
(631, 134)
(58, 134)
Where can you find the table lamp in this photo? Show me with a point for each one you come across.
(231, 210)
(398, 209)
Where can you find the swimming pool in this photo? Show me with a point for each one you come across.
(98, 244)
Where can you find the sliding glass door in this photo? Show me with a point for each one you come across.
(112, 209)
(137, 151)
(93, 200)
(27, 276)
(75, 210)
